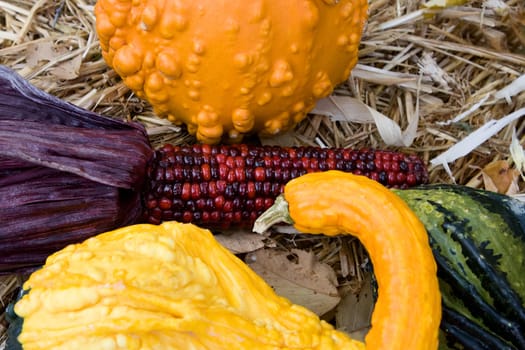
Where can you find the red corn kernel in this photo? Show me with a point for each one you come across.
(186, 191)
(230, 162)
(165, 203)
(237, 216)
(187, 216)
(200, 203)
(195, 191)
(259, 174)
(153, 220)
(401, 178)
(212, 189)
(227, 206)
(206, 149)
(240, 174)
(205, 217)
(221, 186)
(392, 178)
(167, 148)
(221, 158)
(239, 161)
(259, 204)
(206, 172)
(223, 171)
(411, 180)
(250, 190)
(215, 216)
(394, 166)
(231, 176)
(219, 202)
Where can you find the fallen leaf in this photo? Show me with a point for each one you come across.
(297, 276)
(241, 242)
(350, 109)
(68, 69)
(41, 52)
(499, 177)
(353, 313)
(45, 52)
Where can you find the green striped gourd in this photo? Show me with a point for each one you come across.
(478, 239)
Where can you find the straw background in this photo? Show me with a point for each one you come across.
(437, 66)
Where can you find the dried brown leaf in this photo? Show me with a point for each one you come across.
(241, 242)
(353, 313)
(298, 276)
(47, 52)
(499, 177)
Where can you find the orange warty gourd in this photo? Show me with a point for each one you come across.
(173, 286)
(228, 68)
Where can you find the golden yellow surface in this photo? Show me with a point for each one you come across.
(171, 286)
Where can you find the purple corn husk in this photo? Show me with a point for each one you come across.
(66, 173)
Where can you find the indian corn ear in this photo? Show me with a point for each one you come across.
(222, 186)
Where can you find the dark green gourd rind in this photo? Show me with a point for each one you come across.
(478, 239)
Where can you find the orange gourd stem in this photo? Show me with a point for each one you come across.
(408, 309)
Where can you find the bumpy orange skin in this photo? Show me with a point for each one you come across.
(227, 68)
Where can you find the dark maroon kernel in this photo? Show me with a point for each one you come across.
(200, 203)
(156, 213)
(186, 173)
(383, 177)
(190, 205)
(268, 173)
(267, 187)
(277, 174)
(322, 165)
(296, 173)
(179, 158)
(177, 204)
(286, 175)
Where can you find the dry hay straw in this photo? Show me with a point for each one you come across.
(434, 64)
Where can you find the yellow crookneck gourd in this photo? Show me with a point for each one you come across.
(229, 68)
(173, 286)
